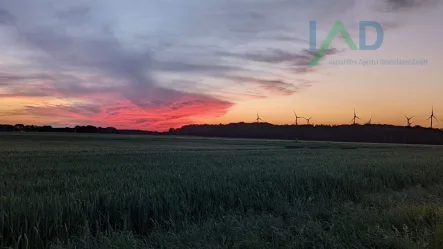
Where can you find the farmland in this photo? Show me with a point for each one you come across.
(125, 191)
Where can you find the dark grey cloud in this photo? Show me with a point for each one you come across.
(143, 120)
(77, 15)
(397, 5)
(192, 67)
(283, 88)
(271, 56)
(82, 108)
(7, 79)
(6, 18)
(276, 86)
(280, 56)
(101, 52)
(177, 106)
(55, 84)
(62, 110)
(298, 62)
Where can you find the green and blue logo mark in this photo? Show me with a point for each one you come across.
(340, 28)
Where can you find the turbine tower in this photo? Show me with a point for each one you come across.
(308, 120)
(258, 118)
(432, 117)
(408, 119)
(354, 118)
(296, 117)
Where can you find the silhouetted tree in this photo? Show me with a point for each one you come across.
(19, 127)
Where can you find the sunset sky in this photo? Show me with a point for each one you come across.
(159, 64)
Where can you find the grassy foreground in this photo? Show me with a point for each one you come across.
(117, 191)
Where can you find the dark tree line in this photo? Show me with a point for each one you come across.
(48, 128)
(93, 129)
(27, 128)
(339, 133)
(77, 129)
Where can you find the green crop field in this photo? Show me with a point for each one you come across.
(123, 191)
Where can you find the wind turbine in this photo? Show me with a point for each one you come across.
(408, 119)
(296, 117)
(432, 117)
(308, 120)
(369, 122)
(258, 118)
(354, 118)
